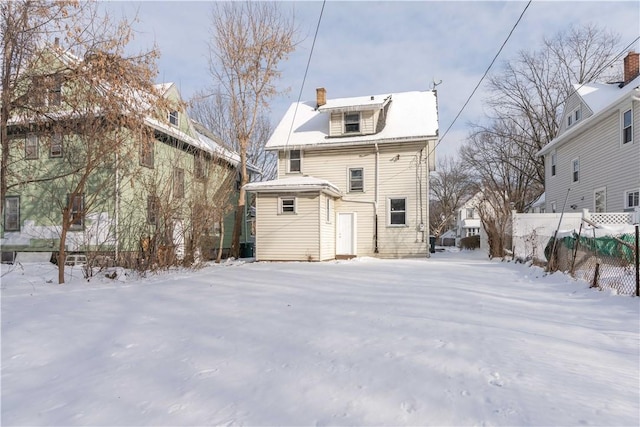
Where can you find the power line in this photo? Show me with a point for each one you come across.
(304, 78)
(483, 76)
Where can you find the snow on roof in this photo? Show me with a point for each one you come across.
(599, 97)
(356, 104)
(295, 184)
(411, 116)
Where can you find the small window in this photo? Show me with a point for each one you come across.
(351, 122)
(470, 213)
(574, 117)
(569, 120)
(199, 166)
(576, 170)
(632, 199)
(600, 200)
(152, 210)
(356, 180)
(178, 183)
(554, 160)
(328, 209)
(75, 203)
(55, 92)
(12, 213)
(31, 146)
(295, 160)
(147, 154)
(627, 127)
(577, 115)
(398, 211)
(173, 118)
(56, 145)
(287, 205)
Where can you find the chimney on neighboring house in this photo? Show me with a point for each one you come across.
(631, 66)
(321, 96)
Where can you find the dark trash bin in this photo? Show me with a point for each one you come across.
(432, 244)
(246, 250)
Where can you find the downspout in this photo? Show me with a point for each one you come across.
(375, 203)
(427, 226)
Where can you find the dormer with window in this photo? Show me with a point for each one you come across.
(354, 116)
(174, 118)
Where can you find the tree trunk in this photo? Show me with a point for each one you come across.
(63, 240)
(221, 242)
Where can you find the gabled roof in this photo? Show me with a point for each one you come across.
(599, 98)
(412, 116)
(294, 185)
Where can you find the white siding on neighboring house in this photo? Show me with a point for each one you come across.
(604, 163)
(327, 228)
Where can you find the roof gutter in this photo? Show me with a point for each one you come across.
(323, 144)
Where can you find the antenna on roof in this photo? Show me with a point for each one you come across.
(434, 84)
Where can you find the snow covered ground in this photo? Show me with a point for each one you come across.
(451, 340)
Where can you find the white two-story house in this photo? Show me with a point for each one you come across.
(352, 179)
(594, 162)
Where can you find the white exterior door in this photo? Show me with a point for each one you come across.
(346, 234)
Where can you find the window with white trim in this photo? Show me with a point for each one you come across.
(600, 200)
(356, 180)
(295, 161)
(287, 205)
(627, 126)
(31, 147)
(631, 199)
(473, 231)
(55, 150)
(574, 116)
(576, 170)
(352, 122)
(12, 213)
(469, 212)
(554, 161)
(397, 211)
(174, 117)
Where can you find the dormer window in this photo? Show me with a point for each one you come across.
(351, 122)
(173, 118)
(574, 117)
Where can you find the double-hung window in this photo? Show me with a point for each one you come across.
(75, 202)
(287, 205)
(178, 183)
(397, 211)
(627, 126)
(31, 146)
(55, 150)
(356, 180)
(295, 160)
(174, 118)
(12, 213)
(351, 122)
(147, 153)
(632, 199)
(554, 161)
(576, 170)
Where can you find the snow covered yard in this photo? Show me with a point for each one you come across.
(452, 340)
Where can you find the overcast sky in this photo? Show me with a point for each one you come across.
(369, 48)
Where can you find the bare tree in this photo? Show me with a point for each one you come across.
(247, 43)
(450, 187)
(212, 111)
(530, 90)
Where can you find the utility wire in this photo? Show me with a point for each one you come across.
(304, 78)
(483, 77)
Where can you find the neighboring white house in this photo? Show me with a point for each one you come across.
(594, 162)
(352, 179)
(468, 219)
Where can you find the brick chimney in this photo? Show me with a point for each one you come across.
(631, 66)
(321, 95)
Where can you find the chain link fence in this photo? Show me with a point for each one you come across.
(605, 260)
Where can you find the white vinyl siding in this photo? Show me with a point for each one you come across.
(287, 237)
(604, 161)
